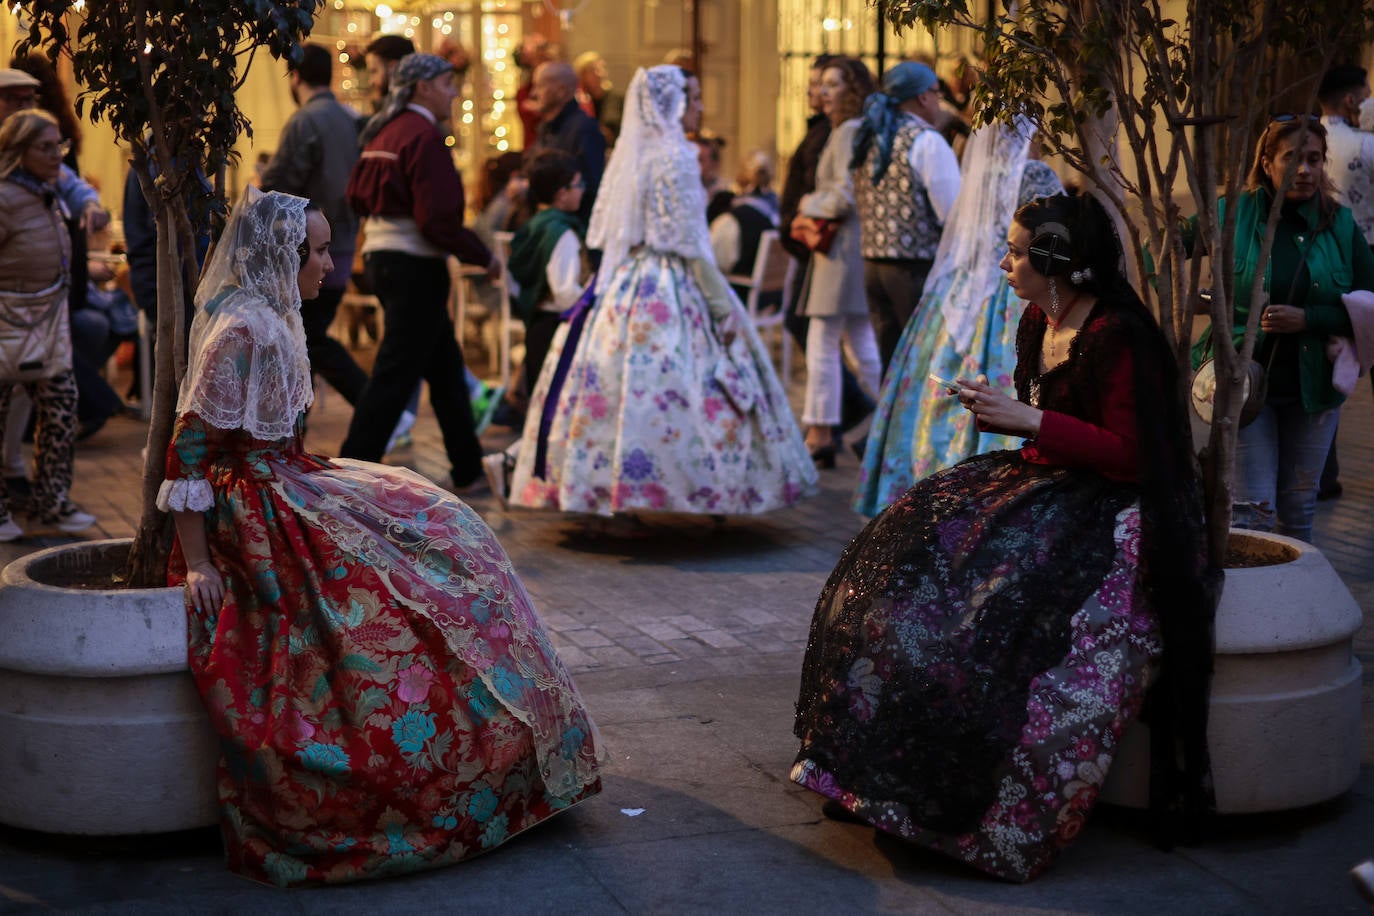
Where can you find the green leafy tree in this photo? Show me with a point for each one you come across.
(164, 75)
(1160, 114)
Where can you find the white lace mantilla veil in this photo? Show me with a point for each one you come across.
(651, 147)
(975, 236)
(248, 367)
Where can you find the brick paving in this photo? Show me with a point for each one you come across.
(686, 638)
(656, 590)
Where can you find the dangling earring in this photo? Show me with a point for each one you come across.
(1054, 298)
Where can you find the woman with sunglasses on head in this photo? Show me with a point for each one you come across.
(35, 340)
(1318, 254)
(982, 645)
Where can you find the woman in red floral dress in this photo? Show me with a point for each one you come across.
(386, 698)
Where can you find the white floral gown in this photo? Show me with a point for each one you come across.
(665, 398)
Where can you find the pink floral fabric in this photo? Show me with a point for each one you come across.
(666, 407)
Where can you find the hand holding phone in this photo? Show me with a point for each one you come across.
(950, 385)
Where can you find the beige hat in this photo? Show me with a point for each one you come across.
(16, 79)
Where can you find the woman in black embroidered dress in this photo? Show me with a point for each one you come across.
(983, 643)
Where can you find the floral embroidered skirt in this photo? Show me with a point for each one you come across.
(653, 411)
(386, 698)
(974, 659)
(918, 430)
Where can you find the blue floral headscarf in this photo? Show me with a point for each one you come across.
(904, 81)
(410, 70)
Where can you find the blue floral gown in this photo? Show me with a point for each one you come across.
(917, 430)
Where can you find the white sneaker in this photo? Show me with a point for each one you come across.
(1363, 876)
(494, 466)
(71, 519)
(10, 531)
(400, 436)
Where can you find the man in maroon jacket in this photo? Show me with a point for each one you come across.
(411, 199)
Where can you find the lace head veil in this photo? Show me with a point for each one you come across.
(654, 105)
(975, 235)
(247, 366)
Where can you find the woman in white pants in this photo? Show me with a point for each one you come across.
(834, 297)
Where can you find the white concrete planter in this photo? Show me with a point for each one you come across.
(101, 728)
(1284, 727)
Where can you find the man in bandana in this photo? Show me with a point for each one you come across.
(905, 181)
(411, 199)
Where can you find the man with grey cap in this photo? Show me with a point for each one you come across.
(905, 183)
(411, 199)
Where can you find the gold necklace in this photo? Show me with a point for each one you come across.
(1052, 332)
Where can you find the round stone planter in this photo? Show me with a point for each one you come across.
(101, 728)
(1284, 726)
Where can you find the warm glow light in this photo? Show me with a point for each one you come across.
(498, 94)
(343, 58)
(500, 131)
(353, 27)
(467, 118)
(467, 104)
(448, 17)
(383, 11)
(437, 23)
(348, 84)
(340, 45)
(502, 145)
(830, 25)
(450, 141)
(447, 29)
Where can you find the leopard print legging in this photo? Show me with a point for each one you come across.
(54, 437)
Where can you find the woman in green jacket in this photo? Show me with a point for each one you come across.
(1318, 254)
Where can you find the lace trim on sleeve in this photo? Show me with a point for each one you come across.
(185, 495)
(676, 218)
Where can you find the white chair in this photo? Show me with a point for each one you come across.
(769, 276)
(460, 277)
(464, 274)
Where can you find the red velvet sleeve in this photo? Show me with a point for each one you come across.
(1111, 449)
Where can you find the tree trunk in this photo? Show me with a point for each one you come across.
(152, 541)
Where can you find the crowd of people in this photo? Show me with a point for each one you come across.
(1035, 571)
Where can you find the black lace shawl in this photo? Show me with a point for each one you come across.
(1180, 580)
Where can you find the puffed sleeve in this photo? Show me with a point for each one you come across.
(675, 222)
(184, 487)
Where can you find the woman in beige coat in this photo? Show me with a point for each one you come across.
(834, 297)
(35, 276)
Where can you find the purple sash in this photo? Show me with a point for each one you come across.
(576, 317)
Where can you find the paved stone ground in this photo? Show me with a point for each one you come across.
(686, 639)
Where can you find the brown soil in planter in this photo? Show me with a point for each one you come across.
(98, 567)
(1246, 551)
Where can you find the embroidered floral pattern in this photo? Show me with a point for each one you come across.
(385, 696)
(975, 657)
(658, 414)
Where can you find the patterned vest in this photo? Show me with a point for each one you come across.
(896, 220)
